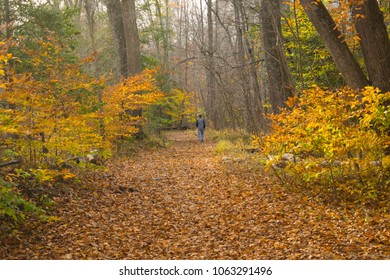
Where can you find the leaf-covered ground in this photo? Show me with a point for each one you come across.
(187, 202)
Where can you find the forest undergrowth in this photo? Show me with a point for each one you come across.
(187, 201)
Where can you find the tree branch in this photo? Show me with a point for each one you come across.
(12, 162)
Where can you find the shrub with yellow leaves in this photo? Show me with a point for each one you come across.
(52, 111)
(52, 114)
(339, 140)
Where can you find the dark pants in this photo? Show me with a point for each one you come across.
(201, 135)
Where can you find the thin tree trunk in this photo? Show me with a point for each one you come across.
(256, 109)
(90, 13)
(243, 68)
(7, 18)
(166, 35)
(161, 23)
(299, 42)
(186, 47)
(89, 10)
(211, 96)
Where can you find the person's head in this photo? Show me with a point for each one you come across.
(199, 115)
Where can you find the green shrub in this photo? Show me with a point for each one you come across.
(13, 207)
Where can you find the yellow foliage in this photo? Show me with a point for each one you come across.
(225, 146)
(256, 142)
(180, 105)
(52, 111)
(133, 93)
(340, 140)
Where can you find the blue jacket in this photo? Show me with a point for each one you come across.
(200, 123)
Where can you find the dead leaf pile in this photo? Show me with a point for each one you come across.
(185, 202)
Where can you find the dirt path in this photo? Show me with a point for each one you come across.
(186, 202)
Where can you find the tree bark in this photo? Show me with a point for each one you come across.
(279, 79)
(132, 37)
(374, 42)
(334, 42)
(211, 88)
(90, 10)
(166, 39)
(256, 108)
(244, 67)
(7, 18)
(115, 15)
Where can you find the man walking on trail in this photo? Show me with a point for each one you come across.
(201, 125)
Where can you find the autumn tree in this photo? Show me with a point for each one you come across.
(308, 59)
(26, 18)
(373, 37)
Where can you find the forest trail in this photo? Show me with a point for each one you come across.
(187, 202)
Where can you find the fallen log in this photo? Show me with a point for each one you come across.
(12, 162)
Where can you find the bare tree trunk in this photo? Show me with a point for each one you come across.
(164, 14)
(375, 43)
(114, 10)
(90, 7)
(132, 37)
(161, 23)
(255, 103)
(299, 42)
(186, 43)
(182, 42)
(90, 13)
(166, 35)
(242, 64)
(341, 54)
(279, 79)
(7, 19)
(211, 89)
